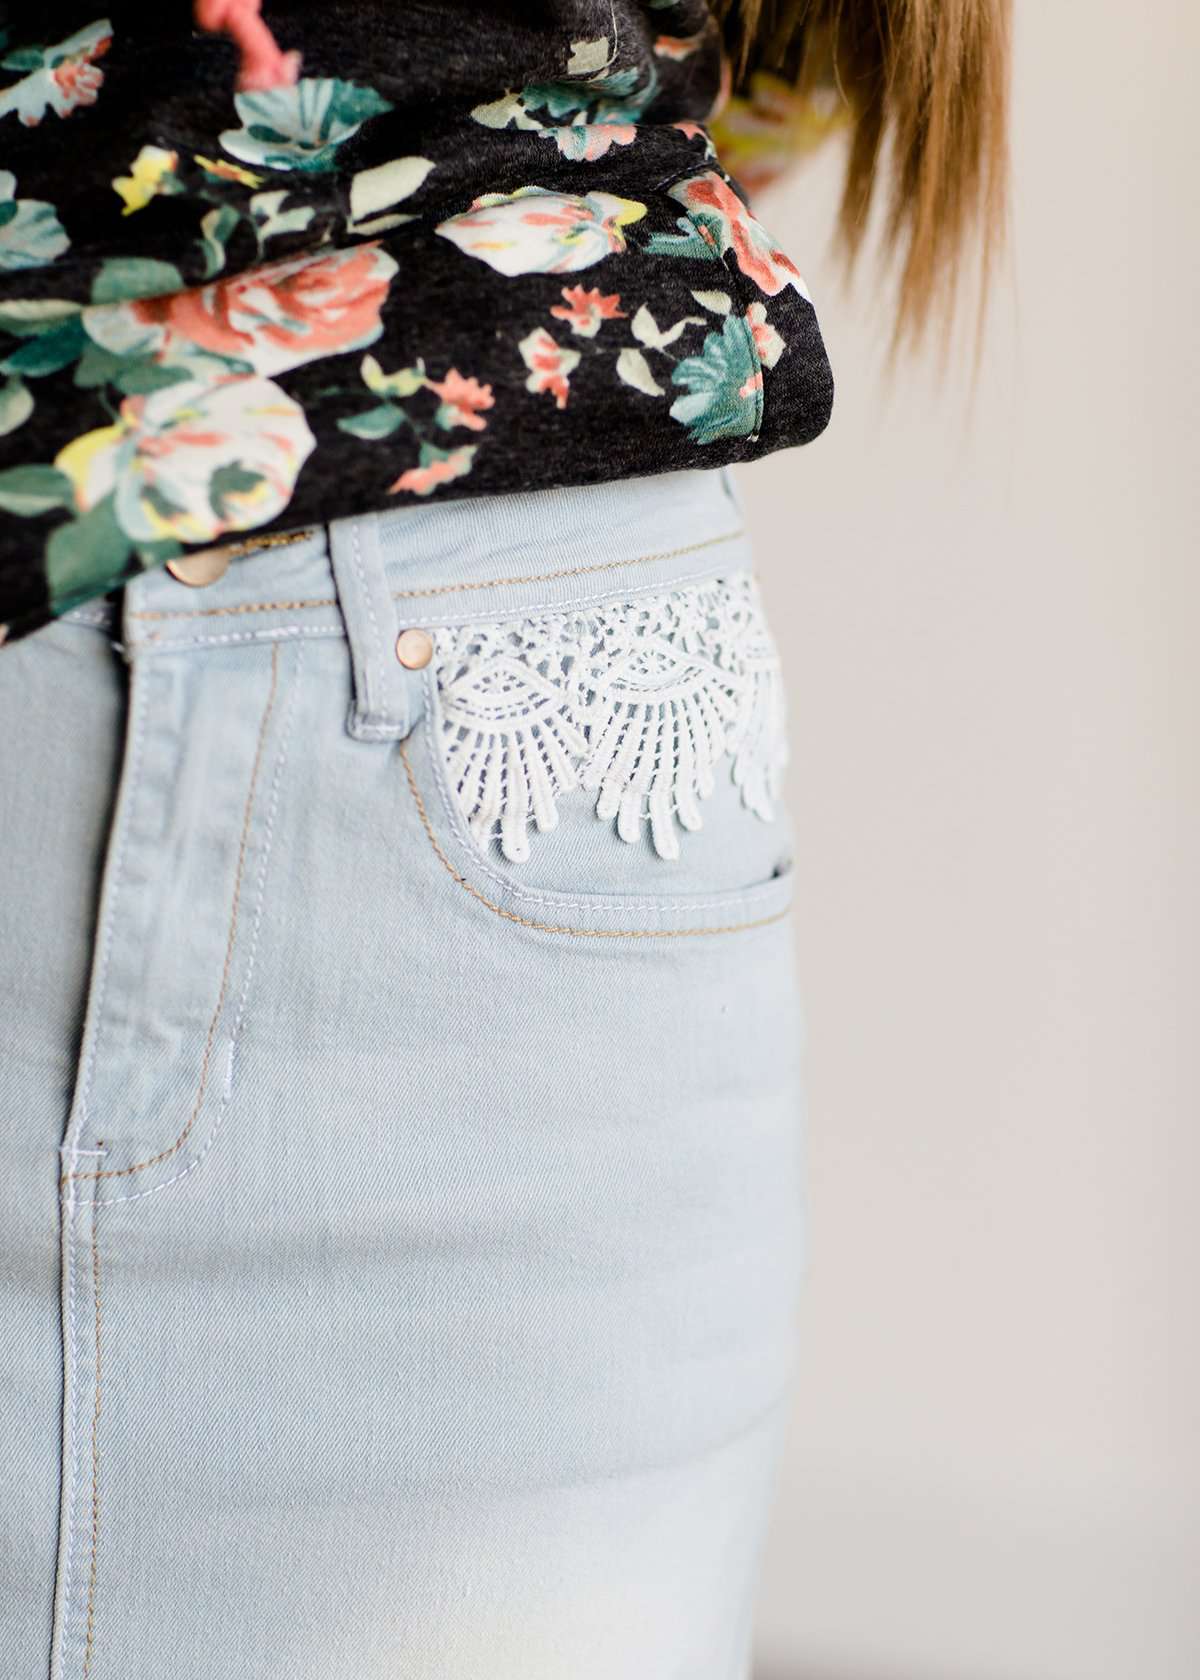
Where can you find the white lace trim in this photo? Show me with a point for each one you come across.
(636, 701)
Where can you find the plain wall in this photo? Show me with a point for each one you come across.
(988, 617)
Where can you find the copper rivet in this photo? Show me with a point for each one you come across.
(414, 649)
(197, 569)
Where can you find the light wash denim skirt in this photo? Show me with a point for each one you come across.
(400, 1103)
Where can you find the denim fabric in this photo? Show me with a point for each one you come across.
(401, 1244)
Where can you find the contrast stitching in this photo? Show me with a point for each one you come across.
(660, 906)
(71, 1386)
(567, 571)
(137, 1166)
(245, 607)
(236, 1031)
(530, 609)
(286, 632)
(252, 545)
(446, 588)
(551, 927)
(71, 1394)
(91, 1598)
(369, 656)
(140, 706)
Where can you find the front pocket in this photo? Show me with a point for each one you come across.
(620, 758)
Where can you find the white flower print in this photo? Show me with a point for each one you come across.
(193, 460)
(63, 77)
(537, 231)
(31, 234)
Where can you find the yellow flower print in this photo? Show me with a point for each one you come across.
(230, 171)
(759, 136)
(152, 172)
(405, 383)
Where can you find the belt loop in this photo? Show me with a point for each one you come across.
(733, 490)
(385, 704)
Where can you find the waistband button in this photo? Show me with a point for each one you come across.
(197, 569)
(414, 649)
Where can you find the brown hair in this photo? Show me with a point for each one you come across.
(931, 78)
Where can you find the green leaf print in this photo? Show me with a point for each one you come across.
(32, 490)
(724, 386)
(231, 481)
(139, 377)
(23, 317)
(135, 277)
(690, 243)
(55, 348)
(301, 127)
(24, 58)
(16, 405)
(31, 235)
(374, 422)
(215, 229)
(87, 556)
(98, 366)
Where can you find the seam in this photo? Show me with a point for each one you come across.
(663, 905)
(551, 927)
(447, 588)
(235, 1035)
(656, 586)
(273, 539)
(282, 632)
(162, 1155)
(71, 1407)
(567, 571)
(89, 1642)
(760, 388)
(740, 289)
(95, 618)
(139, 705)
(244, 607)
(285, 632)
(370, 655)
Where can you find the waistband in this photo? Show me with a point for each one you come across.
(368, 578)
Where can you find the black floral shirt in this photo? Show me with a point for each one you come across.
(478, 247)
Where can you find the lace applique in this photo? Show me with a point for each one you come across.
(636, 703)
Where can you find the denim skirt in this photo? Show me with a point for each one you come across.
(400, 1104)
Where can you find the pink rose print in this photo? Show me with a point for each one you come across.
(462, 399)
(725, 221)
(548, 364)
(767, 342)
(677, 46)
(276, 316)
(585, 142)
(586, 309)
(78, 81)
(437, 467)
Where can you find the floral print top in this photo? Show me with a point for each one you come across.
(479, 247)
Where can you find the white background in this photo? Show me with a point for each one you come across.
(988, 616)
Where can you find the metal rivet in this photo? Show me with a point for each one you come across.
(197, 569)
(414, 649)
